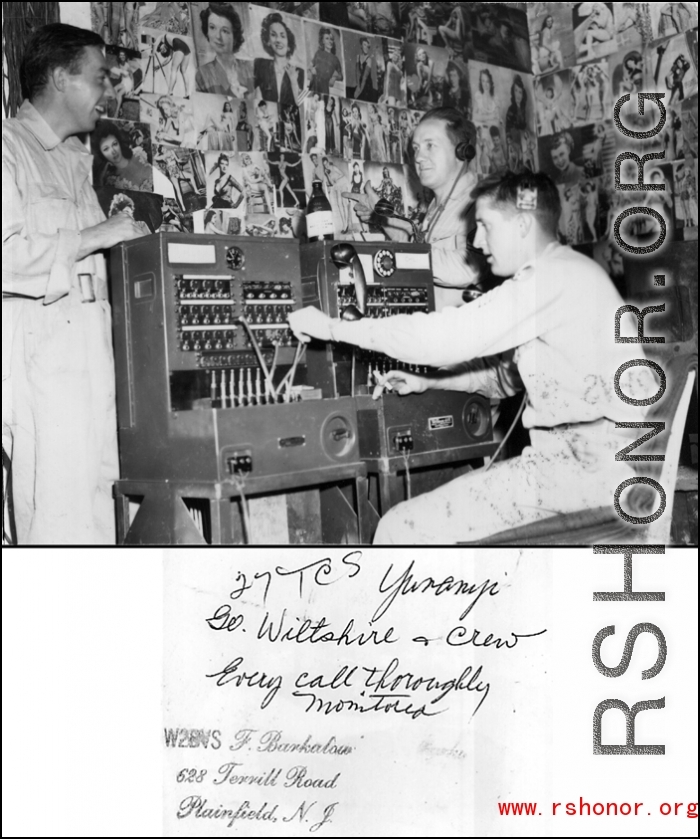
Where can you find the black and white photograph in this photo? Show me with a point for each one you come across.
(168, 62)
(325, 62)
(122, 155)
(500, 35)
(364, 66)
(668, 19)
(670, 68)
(633, 23)
(126, 76)
(594, 30)
(288, 177)
(277, 44)
(449, 167)
(425, 75)
(224, 44)
(215, 120)
(551, 36)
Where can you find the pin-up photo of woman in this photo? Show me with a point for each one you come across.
(117, 164)
(222, 30)
(276, 77)
(325, 73)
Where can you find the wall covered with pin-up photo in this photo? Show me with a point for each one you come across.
(238, 107)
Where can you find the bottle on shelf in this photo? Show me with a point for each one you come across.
(319, 215)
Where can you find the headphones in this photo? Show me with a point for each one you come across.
(465, 151)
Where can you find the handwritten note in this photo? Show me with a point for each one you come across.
(347, 693)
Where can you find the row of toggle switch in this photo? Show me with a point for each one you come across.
(267, 292)
(267, 314)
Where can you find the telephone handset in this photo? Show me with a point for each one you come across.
(344, 255)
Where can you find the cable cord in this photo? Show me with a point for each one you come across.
(508, 433)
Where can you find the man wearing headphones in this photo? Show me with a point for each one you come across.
(554, 319)
(441, 152)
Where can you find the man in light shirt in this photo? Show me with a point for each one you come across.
(58, 401)
(548, 329)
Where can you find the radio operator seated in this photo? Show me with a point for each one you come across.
(441, 150)
(555, 315)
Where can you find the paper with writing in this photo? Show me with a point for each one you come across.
(351, 694)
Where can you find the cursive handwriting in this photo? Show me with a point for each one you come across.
(406, 584)
(232, 674)
(459, 637)
(315, 631)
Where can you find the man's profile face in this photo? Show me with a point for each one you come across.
(85, 93)
(496, 231)
(560, 156)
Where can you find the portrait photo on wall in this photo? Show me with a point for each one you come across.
(325, 63)
(174, 219)
(671, 67)
(500, 35)
(633, 24)
(590, 93)
(594, 30)
(551, 37)
(554, 103)
(374, 18)
(279, 61)
(186, 175)
(225, 189)
(215, 119)
(456, 89)
(355, 127)
(388, 181)
(218, 222)
(626, 68)
(266, 126)
(669, 19)
(364, 66)
(561, 156)
(168, 63)
(126, 76)
(171, 118)
(258, 185)
(122, 155)
(170, 17)
(438, 24)
(143, 207)
(288, 178)
(321, 122)
(425, 75)
(117, 23)
(222, 37)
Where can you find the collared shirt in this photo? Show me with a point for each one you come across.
(557, 313)
(47, 199)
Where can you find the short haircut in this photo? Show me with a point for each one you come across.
(276, 17)
(54, 45)
(459, 128)
(563, 138)
(502, 192)
(108, 128)
(223, 10)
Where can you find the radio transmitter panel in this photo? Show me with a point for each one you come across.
(426, 430)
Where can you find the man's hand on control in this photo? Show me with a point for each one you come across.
(310, 323)
(399, 381)
(120, 227)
